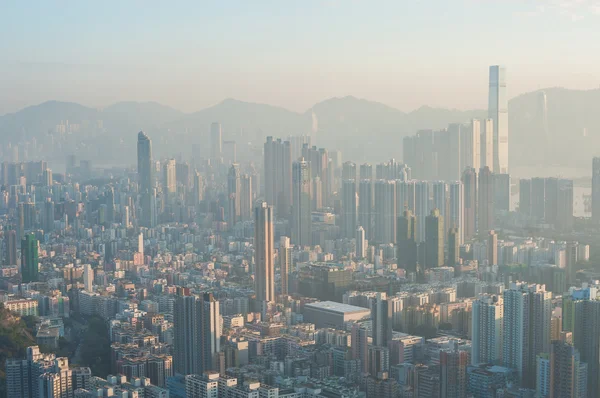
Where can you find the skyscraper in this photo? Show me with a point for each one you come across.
(234, 188)
(471, 144)
(146, 180)
(453, 152)
(216, 140)
(487, 144)
(365, 206)
(596, 190)
(526, 331)
(525, 197)
(434, 240)
(498, 112)
(456, 208)
(264, 276)
(492, 248)
(385, 212)
(568, 373)
(564, 214)
(285, 263)
(453, 373)
(211, 331)
(349, 208)
(538, 198)
(406, 244)
(29, 258)
(422, 207)
(361, 243)
(197, 333)
(301, 209)
(486, 199)
(469, 181)
(581, 316)
(440, 197)
(88, 278)
(381, 314)
(10, 243)
(487, 327)
(246, 197)
(453, 247)
(502, 193)
(170, 177)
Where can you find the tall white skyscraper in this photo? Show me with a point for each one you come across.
(361, 243)
(498, 112)
(471, 146)
(487, 144)
(285, 263)
(88, 278)
(487, 322)
(264, 275)
(140, 248)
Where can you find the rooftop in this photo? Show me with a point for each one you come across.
(333, 306)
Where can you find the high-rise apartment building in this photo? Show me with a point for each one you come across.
(456, 207)
(434, 240)
(29, 258)
(492, 248)
(487, 328)
(471, 146)
(264, 276)
(285, 263)
(487, 144)
(10, 244)
(485, 203)
(197, 333)
(385, 212)
(498, 112)
(526, 331)
(381, 315)
(581, 316)
(278, 175)
(302, 207)
(596, 190)
(406, 244)
(361, 242)
(422, 207)
(502, 193)
(469, 180)
(349, 208)
(170, 177)
(234, 190)
(88, 278)
(525, 197)
(146, 181)
(365, 206)
(453, 373)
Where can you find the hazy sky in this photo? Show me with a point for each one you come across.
(192, 54)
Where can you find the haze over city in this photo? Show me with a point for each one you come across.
(191, 55)
(315, 199)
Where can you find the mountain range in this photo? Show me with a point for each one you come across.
(542, 125)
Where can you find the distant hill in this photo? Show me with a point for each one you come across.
(363, 130)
